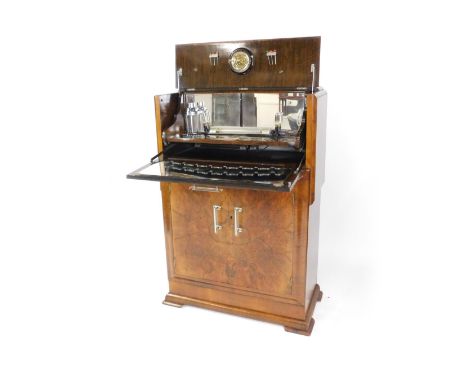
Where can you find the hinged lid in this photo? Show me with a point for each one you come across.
(288, 63)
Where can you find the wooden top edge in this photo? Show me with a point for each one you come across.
(246, 41)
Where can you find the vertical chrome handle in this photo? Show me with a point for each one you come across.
(216, 226)
(237, 229)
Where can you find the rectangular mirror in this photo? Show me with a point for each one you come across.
(252, 113)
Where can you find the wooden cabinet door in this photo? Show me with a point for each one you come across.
(263, 250)
(199, 252)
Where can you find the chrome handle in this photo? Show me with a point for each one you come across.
(205, 189)
(216, 226)
(237, 229)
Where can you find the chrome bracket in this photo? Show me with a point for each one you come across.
(214, 58)
(178, 75)
(271, 56)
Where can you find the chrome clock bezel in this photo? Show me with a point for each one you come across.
(241, 60)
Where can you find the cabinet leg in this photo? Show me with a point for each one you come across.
(304, 332)
(174, 304)
(307, 329)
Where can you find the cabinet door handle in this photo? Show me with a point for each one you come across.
(237, 229)
(216, 226)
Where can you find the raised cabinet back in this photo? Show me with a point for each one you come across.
(292, 69)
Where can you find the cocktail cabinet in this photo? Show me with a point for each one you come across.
(240, 161)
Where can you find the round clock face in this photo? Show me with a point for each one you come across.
(241, 60)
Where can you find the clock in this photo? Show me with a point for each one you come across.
(241, 60)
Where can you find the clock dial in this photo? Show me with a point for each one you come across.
(241, 60)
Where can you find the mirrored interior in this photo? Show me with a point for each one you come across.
(252, 113)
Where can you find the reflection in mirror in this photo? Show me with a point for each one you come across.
(252, 113)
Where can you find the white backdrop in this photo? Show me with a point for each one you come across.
(82, 261)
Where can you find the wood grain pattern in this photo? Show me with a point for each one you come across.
(301, 239)
(268, 272)
(167, 109)
(306, 327)
(254, 271)
(224, 294)
(243, 284)
(157, 112)
(263, 252)
(260, 258)
(296, 325)
(311, 134)
(293, 68)
(199, 253)
(314, 210)
(168, 232)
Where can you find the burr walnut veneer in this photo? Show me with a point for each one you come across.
(244, 247)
